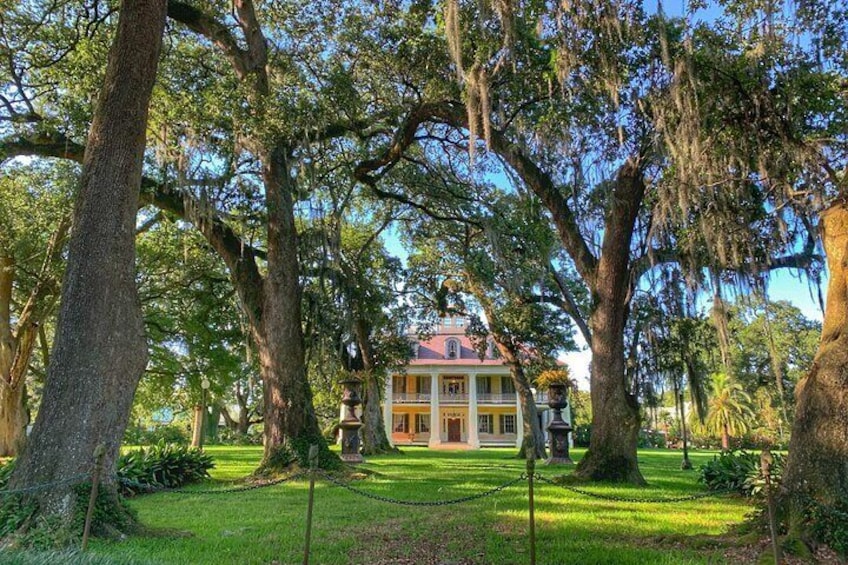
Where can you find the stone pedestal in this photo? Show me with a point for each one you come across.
(558, 428)
(350, 424)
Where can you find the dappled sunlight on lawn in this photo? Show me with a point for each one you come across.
(260, 526)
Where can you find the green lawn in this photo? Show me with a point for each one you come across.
(267, 525)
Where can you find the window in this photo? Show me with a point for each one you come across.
(400, 423)
(399, 384)
(484, 385)
(507, 386)
(453, 385)
(452, 349)
(422, 423)
(485, 424)
(413, 349)
(424, 385)
(507, 423)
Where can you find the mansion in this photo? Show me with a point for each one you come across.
(449, 398)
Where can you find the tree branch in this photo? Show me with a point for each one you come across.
(569, 305)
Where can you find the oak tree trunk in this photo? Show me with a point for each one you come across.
(817, 467)
(615, 411)
(532, 430)
(374, 439)
(615, 414)
(99, 350)
(13, 415)
(197, 425)
(532, 433)
(14, 419)
(290, 421)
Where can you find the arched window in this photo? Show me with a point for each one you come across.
(452, 349)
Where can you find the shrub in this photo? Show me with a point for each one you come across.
(829, 524)
(228, 436)
(6, 472)
(739, 471)
(581, 435)
(651, 438)
(163, 465)
(170, 433)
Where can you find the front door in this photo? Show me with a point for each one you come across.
(454, 430)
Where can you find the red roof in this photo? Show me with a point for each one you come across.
(432, 352)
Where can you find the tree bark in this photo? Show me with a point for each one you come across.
(615, 411)
(817, 467)
(532, 430)
(100, 349)
(374, 439)
(13, 416)
(289, 412)
(196, 425)
(725, 438)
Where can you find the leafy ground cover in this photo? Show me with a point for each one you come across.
(267, 525)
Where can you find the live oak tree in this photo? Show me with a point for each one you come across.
(541, 131)
(487, 253)
(99, 351)
(237, 130)
(757, 137)
(194, 328)
(35, 215)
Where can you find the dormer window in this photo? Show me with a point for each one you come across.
(452, 349)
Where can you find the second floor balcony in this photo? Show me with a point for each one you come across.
(411, 397)
(499, 398)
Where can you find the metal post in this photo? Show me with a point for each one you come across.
(99, 452)
(313, 464)
(530, 451)
(204, 386)
(766, 461)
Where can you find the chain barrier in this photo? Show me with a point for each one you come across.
(612, 498)
(69, 481)
(460, 500)
(148, 488)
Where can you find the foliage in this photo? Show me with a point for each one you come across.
(6, 472)
(164, 465)
(829, 524)
(561, 376)
(581, 435)
(144, 435)
(740, 471)
(228, 436)
(729, 410)
(651, 438)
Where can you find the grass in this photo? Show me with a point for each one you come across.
(267, 525)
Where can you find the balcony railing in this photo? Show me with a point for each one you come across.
(456, 398)
(410, 397)
(450, 398)
(495, 398)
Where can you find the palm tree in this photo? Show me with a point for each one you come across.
(728, 409)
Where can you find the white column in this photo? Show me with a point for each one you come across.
(519, 421)
(435, 417)
(566, 415)
(473, 435)
(387, 408)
